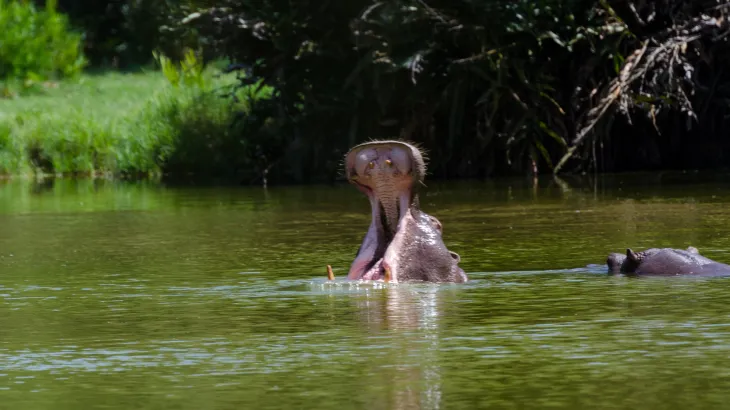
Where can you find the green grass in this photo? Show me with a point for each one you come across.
(104, 94)
(112, 123)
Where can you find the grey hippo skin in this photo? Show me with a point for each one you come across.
(665, 262)
(403, 243)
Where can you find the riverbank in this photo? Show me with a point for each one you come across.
(122, 125)
(115, 124)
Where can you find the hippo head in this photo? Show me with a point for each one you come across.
(403, 243)
(619, 263)
(630, 262)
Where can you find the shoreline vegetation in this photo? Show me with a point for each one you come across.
(493, 88)
(137, 124)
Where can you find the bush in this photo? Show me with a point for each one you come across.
(194, 123)
(37, 44)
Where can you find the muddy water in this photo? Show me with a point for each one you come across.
(134, 295)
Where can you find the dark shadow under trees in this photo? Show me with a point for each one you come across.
(486, 87)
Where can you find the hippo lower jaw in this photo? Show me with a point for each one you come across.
(402, 243)
(377, 272)
(378, 257)
(368, 266)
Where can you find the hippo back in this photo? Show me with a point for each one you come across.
(669, 261)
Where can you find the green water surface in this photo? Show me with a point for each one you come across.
(122, 295)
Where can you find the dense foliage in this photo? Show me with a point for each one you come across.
(120, 33)
(485, 86)
(37, 44)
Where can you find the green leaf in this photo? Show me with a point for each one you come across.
(553, 134)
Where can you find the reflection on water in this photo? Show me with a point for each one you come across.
(137, 295)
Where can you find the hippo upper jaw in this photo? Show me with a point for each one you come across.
(389, 206)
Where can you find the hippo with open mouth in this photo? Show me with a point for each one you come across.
(665, 262)
(403, 243)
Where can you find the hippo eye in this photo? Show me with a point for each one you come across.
(436, 223)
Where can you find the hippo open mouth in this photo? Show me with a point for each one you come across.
(402, 242)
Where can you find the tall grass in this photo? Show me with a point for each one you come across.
(115, 124)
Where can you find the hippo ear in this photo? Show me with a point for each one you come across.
(436, 224)
(632, 256)
(694, 250)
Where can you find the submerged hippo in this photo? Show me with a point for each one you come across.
(403, 243)
(665, 261)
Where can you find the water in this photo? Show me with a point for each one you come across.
(135, 295)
